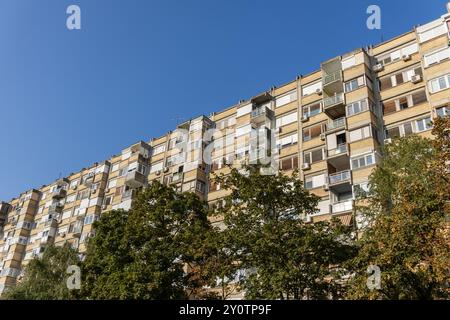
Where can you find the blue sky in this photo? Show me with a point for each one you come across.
(71, 98)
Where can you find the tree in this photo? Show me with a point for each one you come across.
(45, 278)
(405, 212)
(283, 257)
(149, 252)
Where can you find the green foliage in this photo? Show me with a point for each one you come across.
(45, 277)
(144, 253)
(284, 257)
(407, 236)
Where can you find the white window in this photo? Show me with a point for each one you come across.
(323, 207)
(356, 107)
(67, 214)
(286, 119)
(244, 110)
(354, 84)
(286, 98)
(359, 134)
(225, 123)
(437, 56)
(348, 62)
(287, 141)
(115, 167)
(243, 130)
(112, 183)
(312, 109)
(363, 161)
(431, 30)
(315, 181)
(440, 83)
(156, 167)
(71, 198)
(159, 149)
(423, 124)
(311, 88)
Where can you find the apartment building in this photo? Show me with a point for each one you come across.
(329, 124)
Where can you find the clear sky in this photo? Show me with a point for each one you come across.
(71, 98)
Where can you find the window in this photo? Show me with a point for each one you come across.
(359, 134)
(397, 54)
(313, 156)
(399, 78)
(228, 122)
(311, 88)
(156, 167)
(443, 111)
(404, 102)
(423, 124)
(312, 109)
(316, 181)
(159, 149)
(356, 107)
(354, 84)
(287, 141)
(112, 183)
(83, 194)
(419, 97)
(286, 119)
(440, 83)
(189, 186)
(437, 56)
(91, 219)
(286, 98)
(107, 201)
(115, 167)
(71, 198)
(402, 130)
(363, 161)
(313, 132)
(66, 214)
(431, 30)
(200, 186)
(289, 163)
(73, 184)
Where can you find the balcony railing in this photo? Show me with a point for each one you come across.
(331, 101)
(177, 177)
(336, 124)
(135, 179)
(59, 193)
(331, 77)
(339, 177)
(261, 112)
(340, 149)
(342, 206)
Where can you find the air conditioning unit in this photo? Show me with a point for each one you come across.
(416, 79)
(306, 166)
(406, 57)
(158, 172)
(104, 207)
(90, 174)
(319, 91)
(305, 118)
(74, 187)
(326, 187)
(322, 136)
(166, 169)
(378, 67)
(94, 191)
(278, 130)
(107, 190)
(387, 141)
(308, 219)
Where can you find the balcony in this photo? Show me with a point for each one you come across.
(59, 193)
(52, 223)
(176, 177)
(135, 179)
(260, 114)
(55, 207)
(340, 177)
(75, 232)
(336, 124)
(334, 105)
(329, 78)
(342, 206)
(341, 149)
